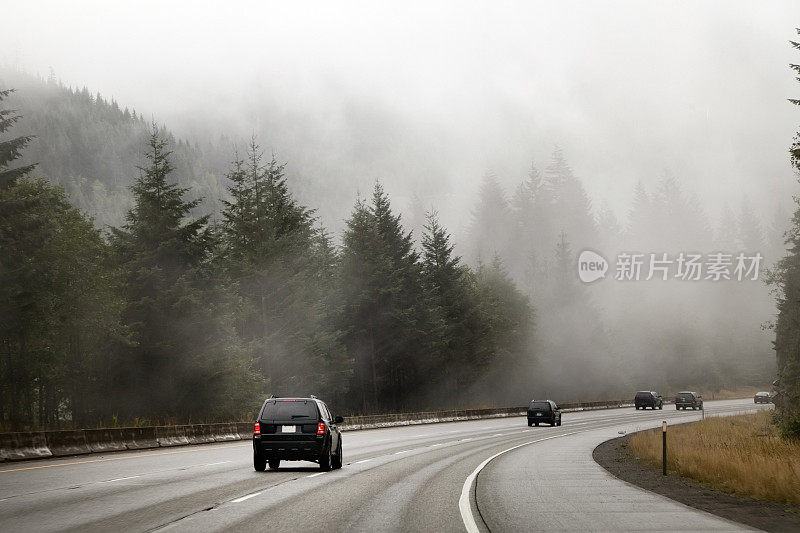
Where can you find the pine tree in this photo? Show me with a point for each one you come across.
(490, 220)
(383, 308)
(462, 346)
(787, 329)
(11, 149)
(183, 362)
(281, 267)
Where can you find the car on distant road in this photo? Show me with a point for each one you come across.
(762, 397)
(686, 399)
(296, 429)
(648, 398)
(544, 411)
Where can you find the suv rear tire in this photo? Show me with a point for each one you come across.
(259, 463)
(325, 460)
(336, 461)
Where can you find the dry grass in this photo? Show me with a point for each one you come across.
(740, 454)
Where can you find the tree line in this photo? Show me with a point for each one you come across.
(785, 278)
(174, 317)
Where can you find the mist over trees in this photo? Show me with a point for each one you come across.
(171, 318)
(602, 339)
(177, 282)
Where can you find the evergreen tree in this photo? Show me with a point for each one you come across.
(461, 347)
(59, 317)
(570, 205)
(11, 149)
(383, 310)
(786, 277)
(282, 269)
(184, 361)
(490, 220)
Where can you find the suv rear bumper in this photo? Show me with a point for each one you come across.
(309, 449)
(546, 419)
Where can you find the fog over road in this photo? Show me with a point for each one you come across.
(397, 479)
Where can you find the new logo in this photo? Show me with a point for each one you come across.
(591, 266)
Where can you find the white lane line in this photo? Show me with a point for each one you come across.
(463, 502)
(498, 434)
(465, 440)
(404, 451)
(437, 444)
(219, 463)
(317, 474)
(363, 461)
(120, 479)
(243, 498)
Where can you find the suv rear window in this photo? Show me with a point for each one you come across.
(289, 410)
(540, 405)
(643, 395)
(686, 396)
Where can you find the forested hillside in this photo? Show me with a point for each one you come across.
(144, 277)
(92, 146)
(171, 317)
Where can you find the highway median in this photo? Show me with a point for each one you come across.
(20, 446)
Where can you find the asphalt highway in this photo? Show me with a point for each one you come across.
(480, 475)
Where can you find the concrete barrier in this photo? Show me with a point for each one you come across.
(140, 438)
(23, 445)
(244, 430)
(32, 445)
(105, 440)
(200, 434)
(67, 442)
(172, 435)
(224, 432)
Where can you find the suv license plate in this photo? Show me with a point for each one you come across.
(288, 429)
(538, 414)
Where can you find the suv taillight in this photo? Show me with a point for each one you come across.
(257, 429)
(320, 428)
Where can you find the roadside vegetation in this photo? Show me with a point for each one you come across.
(143, 277)
(743, 455)
(785, 279)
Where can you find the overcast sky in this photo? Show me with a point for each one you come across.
(628, 89)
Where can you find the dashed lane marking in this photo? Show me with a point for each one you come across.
(107, 459)
(243, 498)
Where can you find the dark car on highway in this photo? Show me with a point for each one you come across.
(648, 398)
(686, 399)
(762, 397)
(296, 429)
(544, 411)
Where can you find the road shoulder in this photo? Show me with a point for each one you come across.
(612, 455)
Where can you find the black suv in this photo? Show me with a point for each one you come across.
(687, 399)
(544, 411)
(648, 398)
(296, 429)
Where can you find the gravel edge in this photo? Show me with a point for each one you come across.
(768, 516)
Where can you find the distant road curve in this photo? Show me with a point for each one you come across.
(497, 473)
